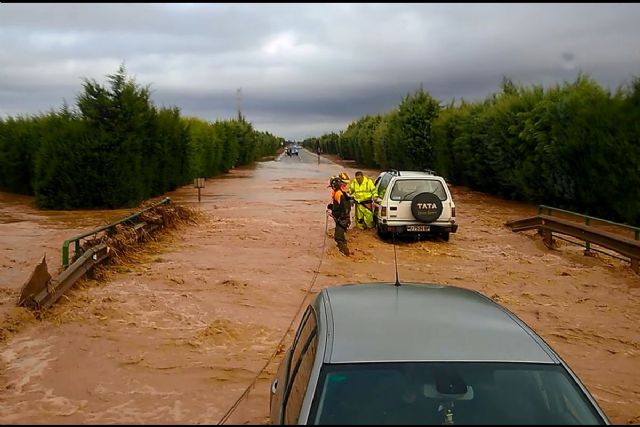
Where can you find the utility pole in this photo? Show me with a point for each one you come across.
(239, 102)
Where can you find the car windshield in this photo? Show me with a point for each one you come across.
(449, 393)
(409, 188)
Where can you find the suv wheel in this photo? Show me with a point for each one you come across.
(426, 207)
(383, 234)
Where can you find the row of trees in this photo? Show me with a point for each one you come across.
(117, 149)
(574, 145)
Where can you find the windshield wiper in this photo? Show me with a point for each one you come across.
(407, 195)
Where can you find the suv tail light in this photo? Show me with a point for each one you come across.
(453, 211)
(383, 211)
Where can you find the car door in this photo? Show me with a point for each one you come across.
(302, 357)
(381, 184)
(276, 397)
(289, 386)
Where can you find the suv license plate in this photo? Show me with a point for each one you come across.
(418, 228)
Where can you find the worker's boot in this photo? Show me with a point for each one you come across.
(344, 249)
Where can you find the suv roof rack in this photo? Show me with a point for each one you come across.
(395, 172)
(430, 171)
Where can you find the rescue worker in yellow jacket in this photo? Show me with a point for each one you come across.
(362, 190)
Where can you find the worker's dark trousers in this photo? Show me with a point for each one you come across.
(339, 237)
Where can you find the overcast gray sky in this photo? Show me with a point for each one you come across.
(307, 69)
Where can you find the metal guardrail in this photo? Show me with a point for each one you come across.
(53, 290)
(109, 228)
(577, 243)
(548, 224)
(587, 220)
(41, 291)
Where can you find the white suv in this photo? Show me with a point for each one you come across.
(414, 202)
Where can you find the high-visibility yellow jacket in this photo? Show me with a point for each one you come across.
(364, 191)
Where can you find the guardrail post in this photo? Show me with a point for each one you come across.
(65, 254)
(548, 238)
(587, 245)
(634, 262)
(77, 250)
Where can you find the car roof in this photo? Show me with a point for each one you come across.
(424, 322)
(413, 174)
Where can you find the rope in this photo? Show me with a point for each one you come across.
(255, 379)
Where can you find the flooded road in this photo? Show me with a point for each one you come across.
(176, 337)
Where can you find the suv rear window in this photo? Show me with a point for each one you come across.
(406, 189)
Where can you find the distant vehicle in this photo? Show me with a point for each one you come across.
(422, 354)
(292, 150)
(413, 202)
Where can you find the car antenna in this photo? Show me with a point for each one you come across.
(395, 258)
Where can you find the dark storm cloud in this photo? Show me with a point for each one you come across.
(307, 69)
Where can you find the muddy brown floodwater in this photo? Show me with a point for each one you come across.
(176, 337)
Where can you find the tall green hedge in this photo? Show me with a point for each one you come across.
(117, 149)
(573, 145)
